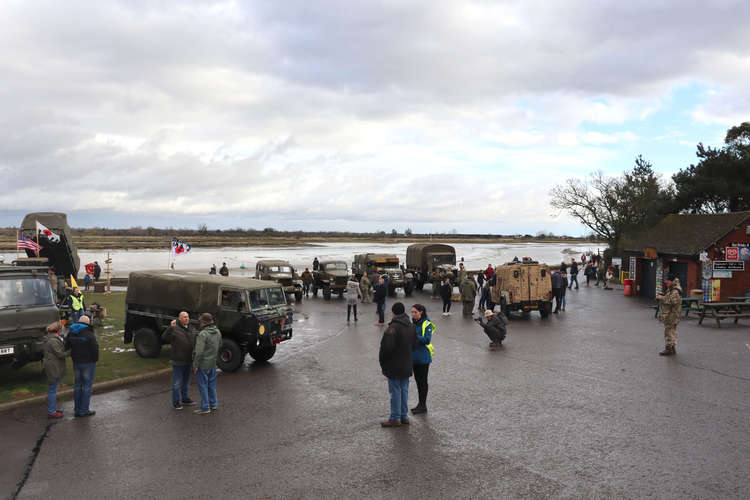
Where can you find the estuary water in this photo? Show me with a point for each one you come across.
(241, 260)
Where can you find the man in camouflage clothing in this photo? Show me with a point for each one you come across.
(436, 282)
(670, 309)
(366, 288)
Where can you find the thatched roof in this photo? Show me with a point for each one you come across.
(688, 234)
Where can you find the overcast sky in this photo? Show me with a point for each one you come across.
(434, 115)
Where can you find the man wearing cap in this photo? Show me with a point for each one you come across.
(670, 307)
(494, 326)
(206, 350)
(396, 346)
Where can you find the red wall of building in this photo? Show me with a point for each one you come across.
(740, 281)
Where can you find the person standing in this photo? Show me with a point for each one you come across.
(395, 358)
(422, 355)
(563, 267)
(468, 290)
(490, 271)
(484, 295)
(84, 351)
(213, 269)
(54, 366)
(462, 274)
(224, 271)
(563, 289)
(366, 288)
(353, 296)
(556, 285)
(480, 280)
(97, 271)
(381, 291)
(76, 305)
(670, 307)
(207, 344)
(436, 283)
(495, 326)
(609, 277)
(181, 336)
(573, 274)
(316, 264)
(446, 293)
(307, 280)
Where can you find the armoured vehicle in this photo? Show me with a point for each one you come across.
(62, 255)
(27, 306)
(252, 315)
(331, 277)
(523, 286)
(423, 258)
(383, 264)
(282, 273)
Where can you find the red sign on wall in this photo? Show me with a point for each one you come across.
(732, 253)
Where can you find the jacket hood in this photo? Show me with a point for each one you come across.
(76, 328)
(676, 285)
(211, 329)
(402, 319)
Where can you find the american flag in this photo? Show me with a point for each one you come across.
(27, 243)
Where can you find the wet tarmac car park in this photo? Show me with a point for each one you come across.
(578, 405)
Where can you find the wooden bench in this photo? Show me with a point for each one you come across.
(688, 305)
(725, 310)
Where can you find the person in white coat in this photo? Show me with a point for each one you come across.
(353, 296)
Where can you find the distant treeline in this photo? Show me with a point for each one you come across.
(274, 233)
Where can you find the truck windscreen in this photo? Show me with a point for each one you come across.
(25, 292)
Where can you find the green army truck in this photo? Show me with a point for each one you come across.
(27, 306)
(282, 273)
(252, 315)
(388, 264)
(331, 277)
(423, 258)
(61, 254)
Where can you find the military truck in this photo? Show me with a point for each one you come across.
(282, 273)
(252, 315)
(523, 286)
(27, 306)
(62, 255)
(331, 277)
(383, 264)
(423, 258)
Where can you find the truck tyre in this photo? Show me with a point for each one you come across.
(298, 297)
(147, 343)
(230, 356)
(545, 309)
(327, 293)
(262, 354)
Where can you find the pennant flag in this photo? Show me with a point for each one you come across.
(42, 230)
(179, 247)
(27, 243)
(73, 283)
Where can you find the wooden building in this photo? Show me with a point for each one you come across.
(710, 252)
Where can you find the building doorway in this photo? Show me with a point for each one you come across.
(648, 278)
(679, 269)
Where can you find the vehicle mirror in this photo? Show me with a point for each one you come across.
(515, 274)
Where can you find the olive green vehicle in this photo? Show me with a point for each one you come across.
(523, 286)
(423, 258)
(331, 277)
(62, 255)
(27, 306)
(282, 273)
(368, 263)
(252, 315)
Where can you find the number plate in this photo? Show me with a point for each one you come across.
(6, 350)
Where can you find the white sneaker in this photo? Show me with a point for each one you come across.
(447, 314)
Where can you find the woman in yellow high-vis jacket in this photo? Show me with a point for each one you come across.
(422, 354)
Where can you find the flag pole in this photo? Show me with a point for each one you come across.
(17, 236)
(37, 238)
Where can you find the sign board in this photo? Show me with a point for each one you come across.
(728, 265)
(617, 261)
(633, 264)
(732, 253)
(650, 253)
(741, 247)
(703, 256)
(708, 269)
(722, 274)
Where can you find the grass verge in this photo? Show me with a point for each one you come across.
(116, 359)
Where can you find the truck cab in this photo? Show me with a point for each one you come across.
(282, 273)
(383, 264)
(331, 277)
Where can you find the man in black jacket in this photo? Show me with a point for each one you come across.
(396, 346)
(84, 351)
(182, 337)
(381, 292)
(494, 326)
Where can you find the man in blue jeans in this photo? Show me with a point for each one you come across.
(84, 351)
(182, 338)
(395, 361)
(207, 345)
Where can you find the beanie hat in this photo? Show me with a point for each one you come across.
(398, 308)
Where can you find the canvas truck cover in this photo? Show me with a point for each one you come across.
(180, 290)
(62, 256)
(417, 255)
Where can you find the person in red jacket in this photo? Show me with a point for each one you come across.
(489, 272)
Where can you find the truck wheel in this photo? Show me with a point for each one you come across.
(545, 309)
(147, 343)
(262, 354)
(230, 356)
(298, 297)
(327, 293)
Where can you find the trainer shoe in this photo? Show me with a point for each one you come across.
(214, 408)
(188, 402)
(88, 414)
(177, 406)
(201, 412)
(391, 423)
(57, 414)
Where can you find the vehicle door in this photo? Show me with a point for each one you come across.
(540, 283)
(233, 311)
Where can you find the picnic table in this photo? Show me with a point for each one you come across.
(688, 304)
(738, 299)
(725, 310)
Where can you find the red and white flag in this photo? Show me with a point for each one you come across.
(179, 247)
(42, 230)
